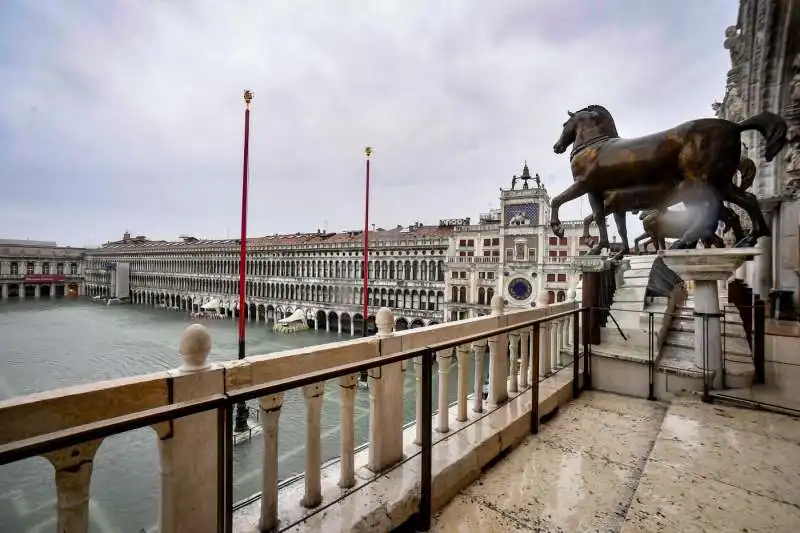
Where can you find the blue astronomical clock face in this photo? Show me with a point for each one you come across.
(520, 289)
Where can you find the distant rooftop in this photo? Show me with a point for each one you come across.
(27, 242)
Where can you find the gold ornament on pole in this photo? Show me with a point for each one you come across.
(248, 97)
(368, 151)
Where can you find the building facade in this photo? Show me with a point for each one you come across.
(764, 46)
(511, 252)
(39, 269)
(320, 273)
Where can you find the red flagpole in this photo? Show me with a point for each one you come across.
(241, 409)
(367, 153)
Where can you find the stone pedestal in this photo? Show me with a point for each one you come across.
(592, 269)
(705, 268)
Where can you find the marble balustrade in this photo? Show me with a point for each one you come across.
(187, 447)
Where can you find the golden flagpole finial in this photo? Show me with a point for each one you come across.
(248, 97)
(368, 151)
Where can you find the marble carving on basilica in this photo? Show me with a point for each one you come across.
(792, 116)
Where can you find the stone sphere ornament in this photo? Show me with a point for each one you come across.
(194, 347)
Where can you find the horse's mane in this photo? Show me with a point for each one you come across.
(606, 116)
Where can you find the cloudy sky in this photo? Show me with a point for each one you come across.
(120, 115)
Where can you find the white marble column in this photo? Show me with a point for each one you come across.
(73, 468)
(513, 348)
(269, 415)
(525, 343)
(498, 360)
(417, 362)
(313, 395)
(444, 359)
(763, 268)
(462, 354)
(478, 353)
(347, 395)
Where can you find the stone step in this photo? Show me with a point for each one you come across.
(731, 329)
(680, 361)
(625, 352)
(733, 346)
(688, 312)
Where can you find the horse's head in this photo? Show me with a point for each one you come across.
(592, 118)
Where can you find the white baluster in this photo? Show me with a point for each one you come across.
(498, 360)
(417, 361)
(443, 359)
(347, 395)
(462, 353)
(544, 339)
(269, 416)
(525, 343)
(73, 477)
(479, 352)
(513, 345)
(386, 404)
(313, 395)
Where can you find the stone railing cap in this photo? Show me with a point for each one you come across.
(194, 347)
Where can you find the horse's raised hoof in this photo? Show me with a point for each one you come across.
(597, 249)
(558, 229)
(748, 241)
(680, 244)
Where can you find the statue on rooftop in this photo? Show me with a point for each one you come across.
(663, 169)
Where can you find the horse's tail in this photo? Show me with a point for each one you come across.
(747, 172)
(772, 127)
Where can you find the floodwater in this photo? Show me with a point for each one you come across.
(46, 344)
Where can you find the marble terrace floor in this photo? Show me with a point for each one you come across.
(616, 464)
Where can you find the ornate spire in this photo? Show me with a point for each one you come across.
(525, 172)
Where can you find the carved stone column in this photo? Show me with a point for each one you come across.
(513, 344)
(313, 395)
(525, 344)
(73, 476)
(444, 359)
(462, 354)
(498, 360)
(269, 415)
(347, 395)
(479, 352)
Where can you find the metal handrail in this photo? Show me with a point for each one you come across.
(223, 403)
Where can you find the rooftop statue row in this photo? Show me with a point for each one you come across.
(694, 163)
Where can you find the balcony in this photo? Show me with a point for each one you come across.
(419, 470)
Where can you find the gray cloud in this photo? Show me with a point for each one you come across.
(129, 116)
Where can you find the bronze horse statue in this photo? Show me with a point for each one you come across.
(693, 163)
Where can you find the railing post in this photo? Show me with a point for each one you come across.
(189, 450)
(759, 340)
(347, 395)
(426, 459)
(513, 345)
(462, 354)
(576, 354)
(444, 359)
(498, 360)
(386, 404)
(269, 415)
(478, 353)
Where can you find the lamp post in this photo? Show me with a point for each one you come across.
(367, 153)
(241, 408)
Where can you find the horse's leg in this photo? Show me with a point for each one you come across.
(749, 203)
(639, 239)
(705, 223)
(576, 190)
(598, 208)
(622, 228)
(734, 224)
(587, 223)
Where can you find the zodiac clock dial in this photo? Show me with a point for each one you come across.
(520, 289)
